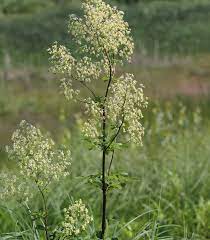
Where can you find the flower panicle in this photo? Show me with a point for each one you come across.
(38, 159)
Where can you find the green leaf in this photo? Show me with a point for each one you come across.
(91, 144)
(99, 99)
(95, 180)
(98, 234)
(118, 180)
(12, 235)
(40, 227)
(37, 215)
(118, 146)
(105, 78)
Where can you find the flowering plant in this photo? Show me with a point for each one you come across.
(113, 117)
(39, 163)
(76, 220)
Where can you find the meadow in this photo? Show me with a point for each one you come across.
(167, 195)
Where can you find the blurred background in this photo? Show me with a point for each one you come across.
(172, 56)
(172, 59)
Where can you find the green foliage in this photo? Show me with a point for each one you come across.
(115, 181)
(171, 189)
(23, 6)
(166, 27)
(170, 26)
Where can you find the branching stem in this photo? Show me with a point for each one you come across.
(88, 88)
(110, 164)
(104, 137)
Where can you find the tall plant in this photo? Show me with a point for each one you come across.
(114, 116)
(39, 163)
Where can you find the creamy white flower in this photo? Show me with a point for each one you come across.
(102, 30)
(92, 127)
(14, 187)
(124, 107)
(104, 37)
(62, 60)
(76, 219)
(38, 158)
(7, 185)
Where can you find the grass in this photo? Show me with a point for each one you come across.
(169, 194)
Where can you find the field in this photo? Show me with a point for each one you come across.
(167, 195)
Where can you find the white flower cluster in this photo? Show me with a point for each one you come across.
(62, 60)
(7, 185)
(92, 127)
(76, 219)
(83, 70)
(103, 35)
(87, 70)
(13, 186)
(124, 110)
(102, 30)
(125, 106)
(38, 158)
(63, 63)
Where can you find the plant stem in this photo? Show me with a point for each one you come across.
(110, 164)
(45, 213)
(104, 185)
(104, 197)
(34, 227)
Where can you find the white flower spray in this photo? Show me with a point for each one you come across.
(104, 41)
(38, 163)
(37, 156)
(76, 219)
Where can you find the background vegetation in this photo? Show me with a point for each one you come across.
(170, 191)
(28, 27)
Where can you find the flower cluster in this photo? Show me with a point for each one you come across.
(91, 128)
(76, 219)
(124, 111)
(7, 185)
(63, 63)
(102, 30)
(38, 158)
(62, 60)
(103, 35)
(125, 106)
(73, 71)
(13, 186)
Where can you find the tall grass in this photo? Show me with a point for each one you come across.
(168, 196)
